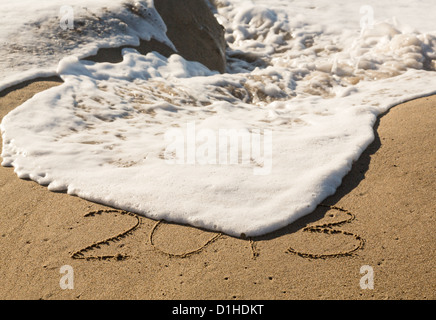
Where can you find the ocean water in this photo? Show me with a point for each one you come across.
(244, 152)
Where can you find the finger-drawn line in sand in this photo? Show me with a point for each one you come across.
(185, 254)
(328, 229)
(96, 245)
(253, 247)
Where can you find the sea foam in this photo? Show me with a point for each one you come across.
(244, 152)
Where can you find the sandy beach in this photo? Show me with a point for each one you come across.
(387, 199)
(378, 228)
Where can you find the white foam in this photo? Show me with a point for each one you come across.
(307, 73)
(34, 37)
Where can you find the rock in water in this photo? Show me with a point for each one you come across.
(191, 27)
(194, 31)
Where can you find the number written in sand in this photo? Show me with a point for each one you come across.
(328, 228)
(81, 254)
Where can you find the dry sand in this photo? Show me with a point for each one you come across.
(390, 191)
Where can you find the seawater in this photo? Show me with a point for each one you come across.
(247, 151)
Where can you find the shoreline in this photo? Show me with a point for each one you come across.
(388, 191)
